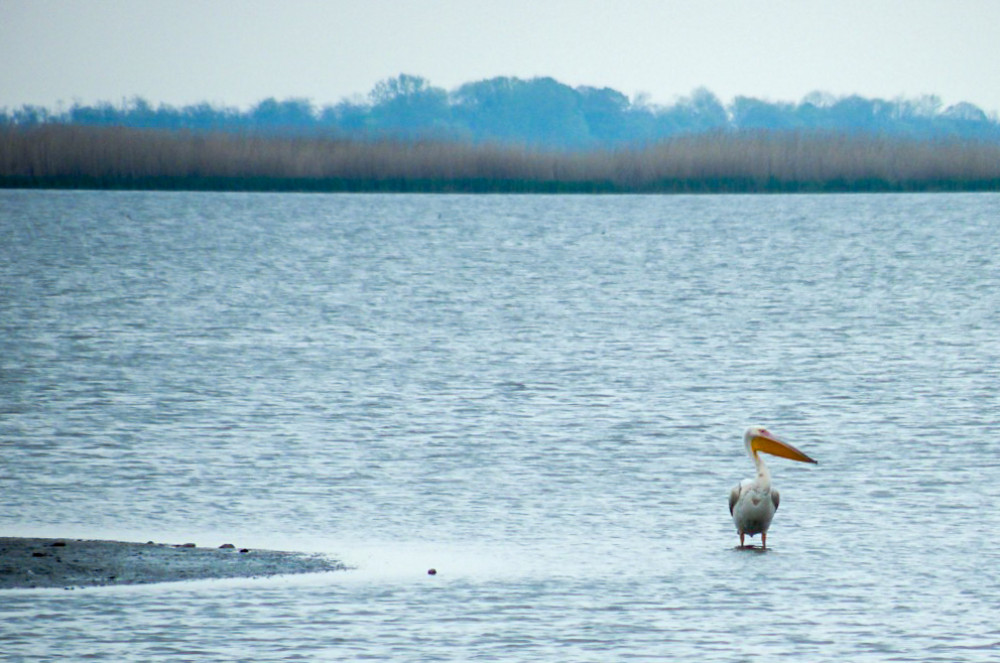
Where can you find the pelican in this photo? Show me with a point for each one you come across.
(753, 502)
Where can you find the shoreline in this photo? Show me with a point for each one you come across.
(478, 185)
(36, 563)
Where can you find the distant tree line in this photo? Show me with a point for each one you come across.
(59, 155)
(535, 113)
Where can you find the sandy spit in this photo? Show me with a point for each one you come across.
(30, 563)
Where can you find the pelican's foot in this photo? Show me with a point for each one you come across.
(752, 548)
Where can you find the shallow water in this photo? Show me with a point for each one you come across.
(541, 397)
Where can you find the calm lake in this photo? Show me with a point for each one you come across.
(541, 397)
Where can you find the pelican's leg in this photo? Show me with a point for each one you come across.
(763, 540)
(741, 539)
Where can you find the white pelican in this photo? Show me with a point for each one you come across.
(753, 502)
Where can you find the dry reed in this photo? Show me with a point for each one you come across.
(59, 155)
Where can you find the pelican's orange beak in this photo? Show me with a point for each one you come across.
(767, 443)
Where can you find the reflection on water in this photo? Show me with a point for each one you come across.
(540, 397)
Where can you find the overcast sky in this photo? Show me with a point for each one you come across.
(233, 53)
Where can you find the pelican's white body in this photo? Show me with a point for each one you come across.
(754, 502)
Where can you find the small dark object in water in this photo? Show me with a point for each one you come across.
(38, 554)
(432, 572)
(185, 545)
(227, 546)
(244, 550)
(58, 544)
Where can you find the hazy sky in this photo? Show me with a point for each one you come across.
(237, 53)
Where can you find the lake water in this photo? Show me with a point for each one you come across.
(542, 397)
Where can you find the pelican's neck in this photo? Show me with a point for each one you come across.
(763, 474)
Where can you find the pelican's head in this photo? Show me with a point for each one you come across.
(759, 439)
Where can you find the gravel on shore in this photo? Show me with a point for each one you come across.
(36, 563)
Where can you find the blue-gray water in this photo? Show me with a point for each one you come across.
(541, 397)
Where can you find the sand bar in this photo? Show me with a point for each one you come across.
(31, 563)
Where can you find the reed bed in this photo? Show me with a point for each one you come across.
(117, 157)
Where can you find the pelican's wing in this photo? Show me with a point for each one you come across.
(775, 497)
(734, 497)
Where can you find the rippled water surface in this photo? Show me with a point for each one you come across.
(541, 397)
